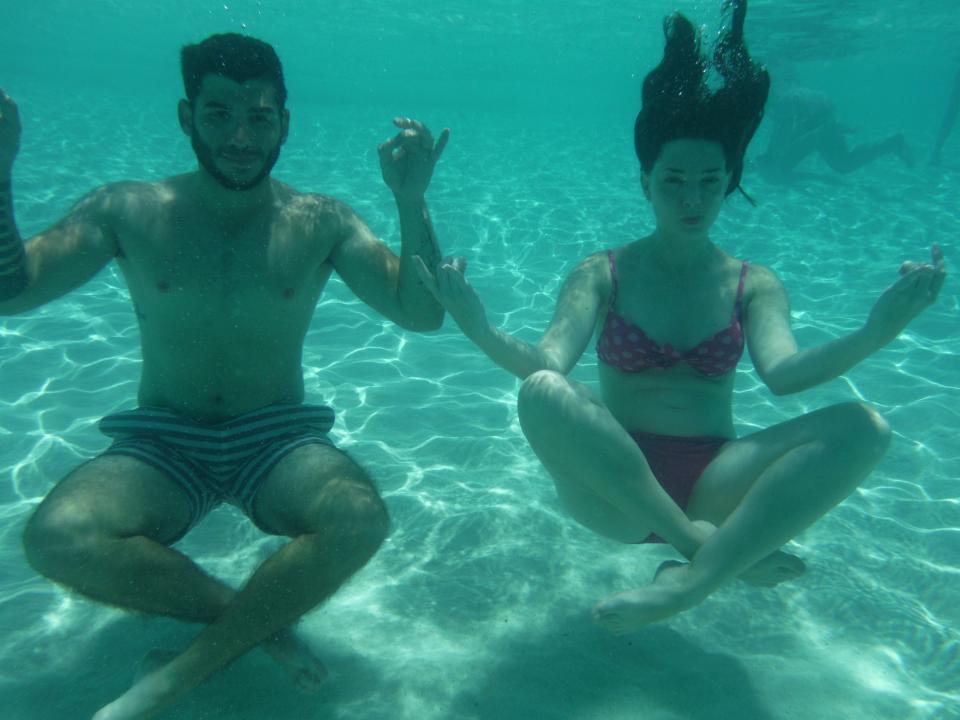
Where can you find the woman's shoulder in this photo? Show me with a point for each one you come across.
(759, 277)
(595, 271)
(761, 283)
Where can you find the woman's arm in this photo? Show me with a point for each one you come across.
(571, 328)
(786, 369)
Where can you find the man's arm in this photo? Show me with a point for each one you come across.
(389, 284)
(417, 239)
(13, 266)
(13, 262)
(377, 276)
(57, 260)
(61, 258)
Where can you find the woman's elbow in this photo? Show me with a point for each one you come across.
(778, 383)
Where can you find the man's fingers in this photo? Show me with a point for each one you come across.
(8, 108)
(441, 144)
(937, 255)
(936, 284)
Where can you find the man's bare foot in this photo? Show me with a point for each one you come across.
(670, 592)
(775, 568)
(294, 656)
(145, 699)
(289, 652)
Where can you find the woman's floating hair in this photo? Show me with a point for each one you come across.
(678, 101)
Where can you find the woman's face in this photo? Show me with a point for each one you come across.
(686, 186)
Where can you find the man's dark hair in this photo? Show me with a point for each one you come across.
(678, 102)
(238, 57)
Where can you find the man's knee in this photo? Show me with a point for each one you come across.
(353, 515)
(57, 536)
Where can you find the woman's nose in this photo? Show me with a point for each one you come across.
(690, 195)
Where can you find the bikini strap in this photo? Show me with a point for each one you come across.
(613, 278)
(743, 278)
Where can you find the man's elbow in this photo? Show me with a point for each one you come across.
(12, 287)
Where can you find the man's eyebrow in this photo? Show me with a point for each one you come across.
(704, 172)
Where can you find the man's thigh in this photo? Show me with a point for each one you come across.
(313, 486)
(119, 496)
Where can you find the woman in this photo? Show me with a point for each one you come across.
(657, 452)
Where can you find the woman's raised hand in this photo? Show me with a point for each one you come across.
(916, 289)
(449, 286)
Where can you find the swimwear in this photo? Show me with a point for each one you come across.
(677, 463)
(226, 461)
(626, 346)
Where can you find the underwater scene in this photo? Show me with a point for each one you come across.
(478, 605)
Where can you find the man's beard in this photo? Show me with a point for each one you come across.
(205, 157)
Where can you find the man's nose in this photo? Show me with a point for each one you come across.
(240, 133)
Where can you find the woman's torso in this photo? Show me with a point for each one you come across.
(669, 341)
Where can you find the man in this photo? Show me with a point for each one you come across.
(805, 122)
(225, 267)
(949, 120)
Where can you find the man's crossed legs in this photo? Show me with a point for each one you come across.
(105, 532)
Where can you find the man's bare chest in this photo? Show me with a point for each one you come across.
(216, 279)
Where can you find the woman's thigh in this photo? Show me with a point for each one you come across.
(849, 427)
(587, 453)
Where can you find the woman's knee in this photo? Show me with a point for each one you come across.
(542, 396)
(862, 426)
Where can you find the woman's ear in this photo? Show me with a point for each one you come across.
(645, 184)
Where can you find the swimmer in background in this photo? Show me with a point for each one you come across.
(949, 120)
(805, 122)
(225, 267)
(655, 457)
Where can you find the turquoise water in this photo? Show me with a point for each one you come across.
(477, 607)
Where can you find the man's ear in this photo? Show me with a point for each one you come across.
(185, 116)
(284, 125)
(645, 184)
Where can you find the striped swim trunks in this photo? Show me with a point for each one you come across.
(225, 462)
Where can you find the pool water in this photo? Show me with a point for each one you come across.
(478, 605)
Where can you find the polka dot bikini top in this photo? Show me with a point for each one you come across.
(626, 347)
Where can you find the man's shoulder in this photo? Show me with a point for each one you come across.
(125, 198)
(322, 212)
(294, 200)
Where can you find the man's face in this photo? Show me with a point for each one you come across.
(236, 130)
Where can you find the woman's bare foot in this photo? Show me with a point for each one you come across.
(775, 568)
(671, 592)
(293, 655)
